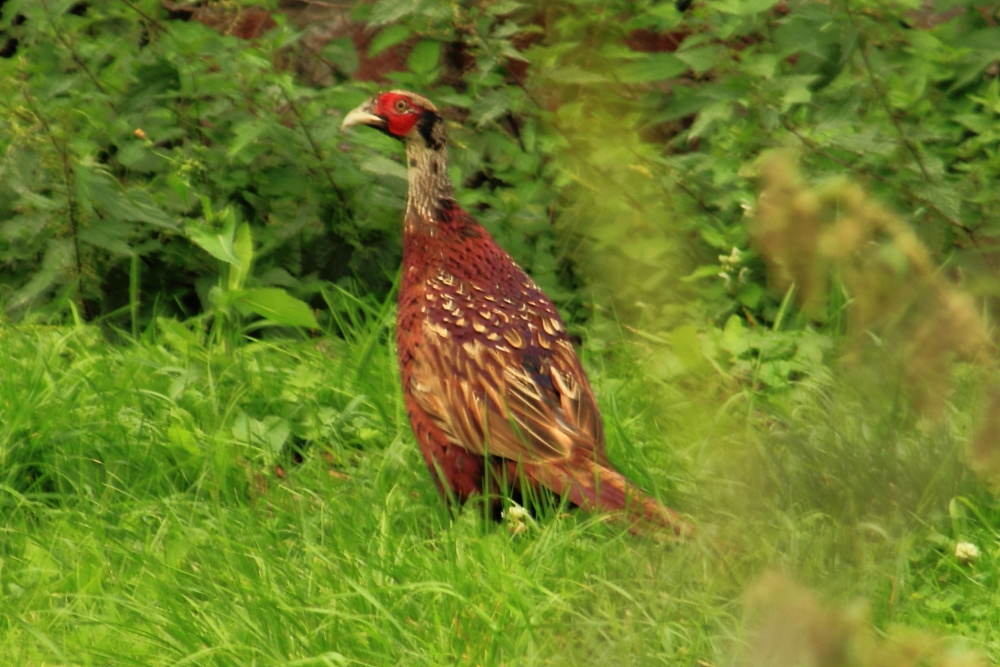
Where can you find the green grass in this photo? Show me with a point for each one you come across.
(144, 522)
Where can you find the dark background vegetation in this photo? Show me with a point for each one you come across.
(196, 300)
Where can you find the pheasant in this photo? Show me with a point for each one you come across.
(493, 387)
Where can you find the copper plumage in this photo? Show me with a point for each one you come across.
(492, 384)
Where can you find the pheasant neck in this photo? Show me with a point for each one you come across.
(430, 188)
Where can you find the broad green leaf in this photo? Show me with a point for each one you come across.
(218, 244)
(745, 7)
(504, 7)
(424, 56)
(243, 250)
(978, 123)
(247, 132)
(657, 67)
(946, 198)
(58, 261)
(342, 53)
(716, 112)
(279, 306)
(702, 59)
(574, 74)
(109, 234)
(387, 38)
(268, 434)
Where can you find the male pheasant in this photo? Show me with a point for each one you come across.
(493, 387)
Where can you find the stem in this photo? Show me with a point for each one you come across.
(144, 15)
(882, 96)
(74, 55)
(316, 149)
(68, 179)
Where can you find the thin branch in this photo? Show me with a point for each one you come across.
(811, 145)
(151, 19)
(316, 149)
(74, 55)
(68, 179)
(883, 98)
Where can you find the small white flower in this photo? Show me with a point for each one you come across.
(966, 552)
(515, 516)
(516, 513)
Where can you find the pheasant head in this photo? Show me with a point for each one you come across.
(415, 121)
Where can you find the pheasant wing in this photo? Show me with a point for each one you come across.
(525, 398)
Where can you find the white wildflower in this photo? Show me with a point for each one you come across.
(516, 513)
(515, 516)
(966, 552)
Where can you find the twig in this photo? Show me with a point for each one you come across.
(144, 15)
(811, 145)
(74, 55)
(883, 99)
(316, 149)
(68, 180)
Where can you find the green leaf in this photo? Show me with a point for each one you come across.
(246, 133)
(701, 59)
(716, 112)
(745, 7)
(269, 434)
(108, 234)
(243, 250)
(574, 74)
(657, 67)
(342, 53)
(425, 56)
(218, 244)
(133, 205)
(387, 38)
(504, 7)
(278, 306)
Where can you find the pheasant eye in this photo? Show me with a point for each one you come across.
(401, 106)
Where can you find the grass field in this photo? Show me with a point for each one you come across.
(169, 504)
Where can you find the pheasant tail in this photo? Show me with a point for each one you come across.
(593, 486)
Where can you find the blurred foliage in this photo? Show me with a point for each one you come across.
(791, 627)
(896, 290)
(609, 146)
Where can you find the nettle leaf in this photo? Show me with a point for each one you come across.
(504, 7)
(425, 56)
(342, 53)
(243, 250)
(132, 205)
(217, 243)
(246, 133)
(58, 261)
(574, 74)
(720, 111)
(945, 198)
(278, 306)
(489, 107)
(745, 7)
(387, 38)
(656, 67)
(268, 434)
(702, 59)
(108, 234)
(978, 123)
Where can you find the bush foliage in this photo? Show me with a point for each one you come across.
(609, 146)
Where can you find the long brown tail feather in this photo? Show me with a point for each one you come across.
(593, 486)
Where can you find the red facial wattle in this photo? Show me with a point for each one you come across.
(399, 123)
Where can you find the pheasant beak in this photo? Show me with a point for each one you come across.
(363, 116)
